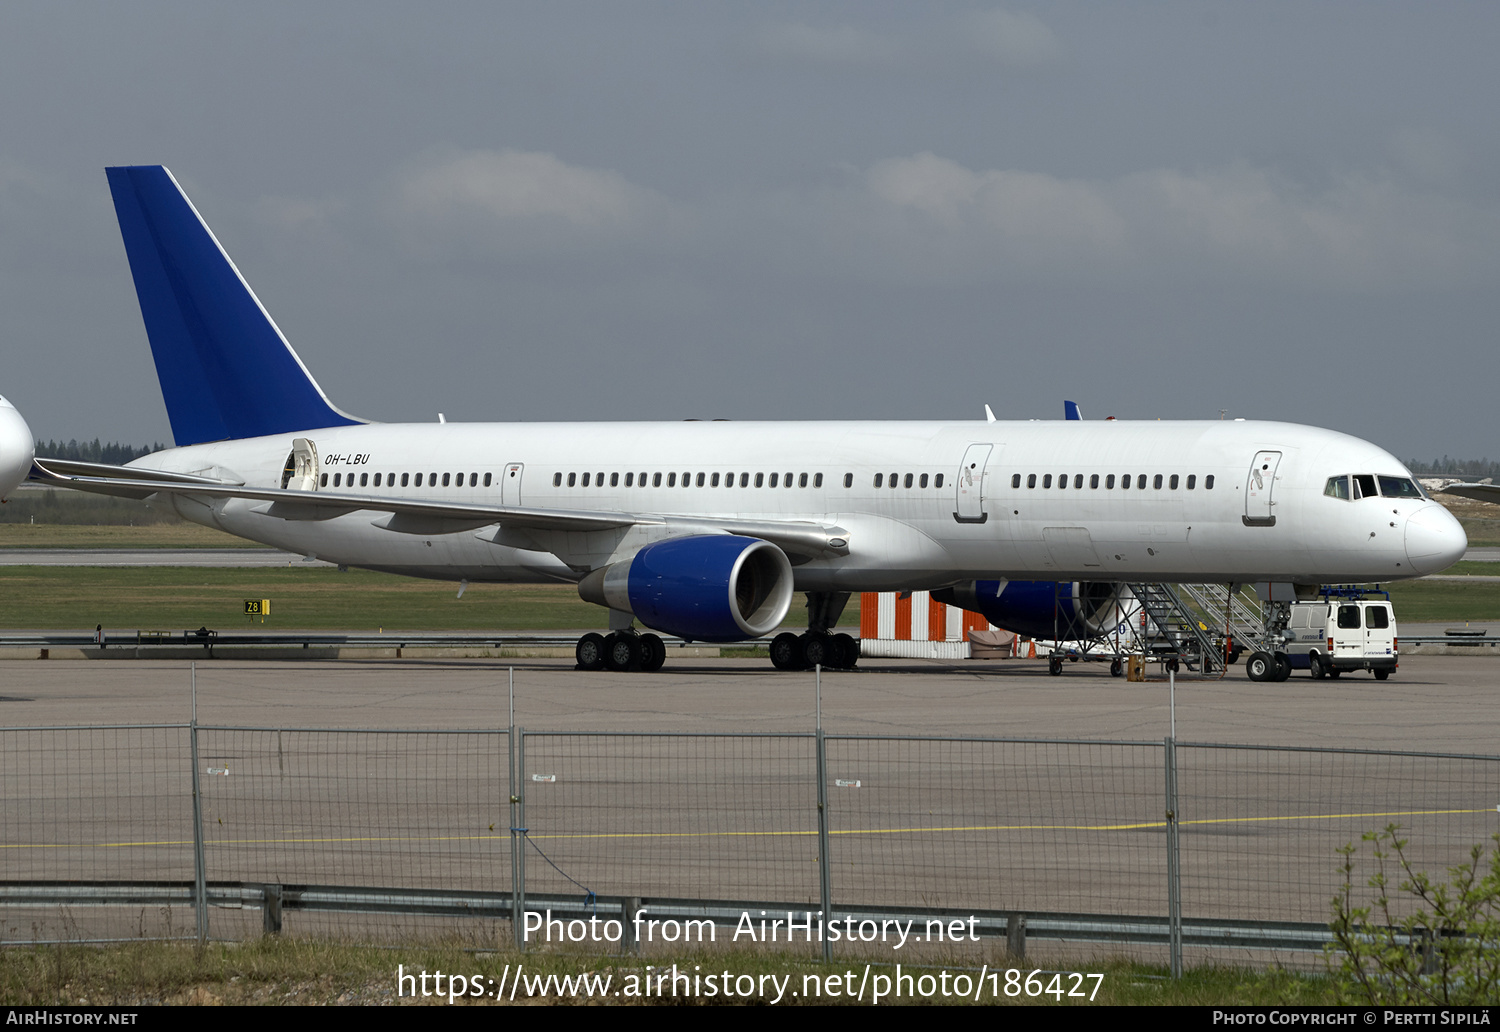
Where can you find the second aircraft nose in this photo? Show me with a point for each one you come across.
(1434, 539)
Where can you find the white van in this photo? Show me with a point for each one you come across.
(1330, 636)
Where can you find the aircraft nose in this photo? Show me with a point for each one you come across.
(1434, 539)
(16, 446)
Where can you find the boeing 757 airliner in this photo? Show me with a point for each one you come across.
(707, 529)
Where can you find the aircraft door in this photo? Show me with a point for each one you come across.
(301, 470)
(1259, 504)
(971, 484)
(510, 484)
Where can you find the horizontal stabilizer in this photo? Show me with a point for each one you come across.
(225, 369)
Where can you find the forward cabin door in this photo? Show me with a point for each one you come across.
(971, 484)
(1260, 508)
(510, 484)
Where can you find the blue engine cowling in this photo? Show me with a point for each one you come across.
(1046, 609)
(718, 587)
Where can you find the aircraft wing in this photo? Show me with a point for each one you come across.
(410, 516)
(1479, 492)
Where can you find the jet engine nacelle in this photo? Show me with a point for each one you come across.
(1046, 609)
(717, 587)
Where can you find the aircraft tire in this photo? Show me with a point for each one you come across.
(1260, 667)
(590, 652)
(816, 650)
(622, 652)
(785, 652)
(653, 653)
(848, 651)
(1283, 667)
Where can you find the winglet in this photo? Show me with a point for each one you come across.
(989, 417)
(225, 369)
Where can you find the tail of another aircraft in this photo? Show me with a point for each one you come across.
(225, 369)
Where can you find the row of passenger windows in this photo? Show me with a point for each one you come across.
(692, 479)
(896, 480)
(407, 479)
(1158, 481)
(1363, 486)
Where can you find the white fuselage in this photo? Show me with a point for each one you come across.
(911, 536)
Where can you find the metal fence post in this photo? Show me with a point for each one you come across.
(518, 838)
(825, 869)
(200, 873)
(1174, 871)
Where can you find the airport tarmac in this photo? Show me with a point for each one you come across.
(214, 557)
(1439, 703)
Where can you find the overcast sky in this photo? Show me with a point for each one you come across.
(788, 211)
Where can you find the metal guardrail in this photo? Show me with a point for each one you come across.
(220, 639)
(1014, 927)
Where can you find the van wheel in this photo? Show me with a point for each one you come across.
(1381, 675)
(1315, 664)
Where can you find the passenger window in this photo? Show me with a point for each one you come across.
(773, 479)
(447, 476)
(1047, 480)
(1015, 480)
(614, 480)
(1192, 481)
(1062, 481)
(598, 479)
(629, 479)
(474, 479)
(1157, 482)
(1077, 481)
(715, 481)
(760, 480)
(432, 479)
(377, 479)
(487, 480)
(1349, 618)
(671, 479)
(1337, 487)
(937, 481)
(744, 479)
(364, 480)
(323, 480)
(848, 480)
(908, 481)
(1094, 482)
(802, 480)
(879, 479)
(1031, 480)
(1377, 617)
(1109, 482)
(1140, 482)
(1125, 482)
(338, 479)
(700, 479)
(817, 480)
(687, 480)
(923, 481)
(406, 479)
(786, 481)
(585, 480)
(1208, 482)
(656, 480)
(1173, 483)
(894, 479)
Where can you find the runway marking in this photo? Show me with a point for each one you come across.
(733, 834)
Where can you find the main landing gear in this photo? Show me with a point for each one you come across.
(817, 647)
(621, 651)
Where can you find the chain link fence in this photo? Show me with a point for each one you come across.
(117, 832)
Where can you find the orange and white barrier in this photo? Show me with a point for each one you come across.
(915, 627)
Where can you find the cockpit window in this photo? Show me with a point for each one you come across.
(1337, 487)
(1364, 486)
(1399, 487)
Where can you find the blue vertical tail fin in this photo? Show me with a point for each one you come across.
(225, 369)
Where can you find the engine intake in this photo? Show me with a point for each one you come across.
(718, 587)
